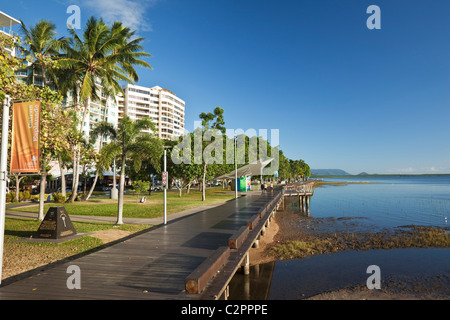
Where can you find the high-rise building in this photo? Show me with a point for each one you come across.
(6, 27)
(156, 103)
(100, 110)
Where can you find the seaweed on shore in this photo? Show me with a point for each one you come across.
(406, 237)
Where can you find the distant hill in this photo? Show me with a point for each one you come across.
(329, 172)
(363, 174)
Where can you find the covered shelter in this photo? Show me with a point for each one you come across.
(254, 168)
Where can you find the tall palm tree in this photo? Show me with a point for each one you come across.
(42, 47)
(134, 144)
(99, 60)
(103, 160)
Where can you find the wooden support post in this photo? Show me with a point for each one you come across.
(226, 293)
(256, 244)
(246, 264)
(307, 204)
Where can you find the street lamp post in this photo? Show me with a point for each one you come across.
(235, 168)
(166, 184)
(3, 175)
(114, 191)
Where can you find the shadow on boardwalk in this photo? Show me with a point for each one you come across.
(152, 264)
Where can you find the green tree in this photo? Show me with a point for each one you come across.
(102, 160)
(214, 122)
(140, 187)
(98, 61)
(54, 123)
(132, 143)
(41, 49)
(183, 174)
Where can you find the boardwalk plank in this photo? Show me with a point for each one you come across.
(151, 265)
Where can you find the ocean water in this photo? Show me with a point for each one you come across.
(386, 202)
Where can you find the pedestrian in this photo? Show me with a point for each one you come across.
(262, 186)
(271, 186)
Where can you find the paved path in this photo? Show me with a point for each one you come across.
(151, 265)
(149, 221)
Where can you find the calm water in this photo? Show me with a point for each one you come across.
(386, 203)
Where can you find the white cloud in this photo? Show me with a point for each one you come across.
(132, 13)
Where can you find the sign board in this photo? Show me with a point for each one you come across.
(56, 224)
(165, 177)
(25, 137)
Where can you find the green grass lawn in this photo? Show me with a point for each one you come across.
(152, 208)
(20, 256)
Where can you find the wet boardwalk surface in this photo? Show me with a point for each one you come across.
(151, 265)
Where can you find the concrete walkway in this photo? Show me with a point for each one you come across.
(152, 221)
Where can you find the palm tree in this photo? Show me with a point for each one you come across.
(134, 144)
(103, 160)
(42, 47)
(98, 61)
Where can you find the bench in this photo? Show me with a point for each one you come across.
(197, 281)
(253, 221)
(238, 237)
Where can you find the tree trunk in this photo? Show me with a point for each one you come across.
(121, 191)
(43, 75)
(42, 182)
(204, 183)
(188, 188)
(16, 176)
(85, 178)
(76, 159)
(75, 177)
(63, 177)
(93, 185)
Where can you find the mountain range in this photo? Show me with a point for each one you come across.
(329, 172)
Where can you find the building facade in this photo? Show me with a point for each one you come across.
(160, 105)
(6, 28)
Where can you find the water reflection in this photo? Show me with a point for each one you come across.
(355, 208)
(304, 278)
(255, 286)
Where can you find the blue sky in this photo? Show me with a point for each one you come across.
(341, 95)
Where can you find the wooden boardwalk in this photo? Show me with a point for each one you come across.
(151, 265)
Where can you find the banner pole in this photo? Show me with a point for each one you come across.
(3, 175)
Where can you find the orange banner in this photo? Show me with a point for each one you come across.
(25, 137)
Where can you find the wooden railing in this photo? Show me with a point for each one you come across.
(241, 240)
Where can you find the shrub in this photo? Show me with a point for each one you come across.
(11, 197)
(58, 197)
(26, 195)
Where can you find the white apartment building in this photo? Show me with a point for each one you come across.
(6, 27)
(103, 109)
(156, 103)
